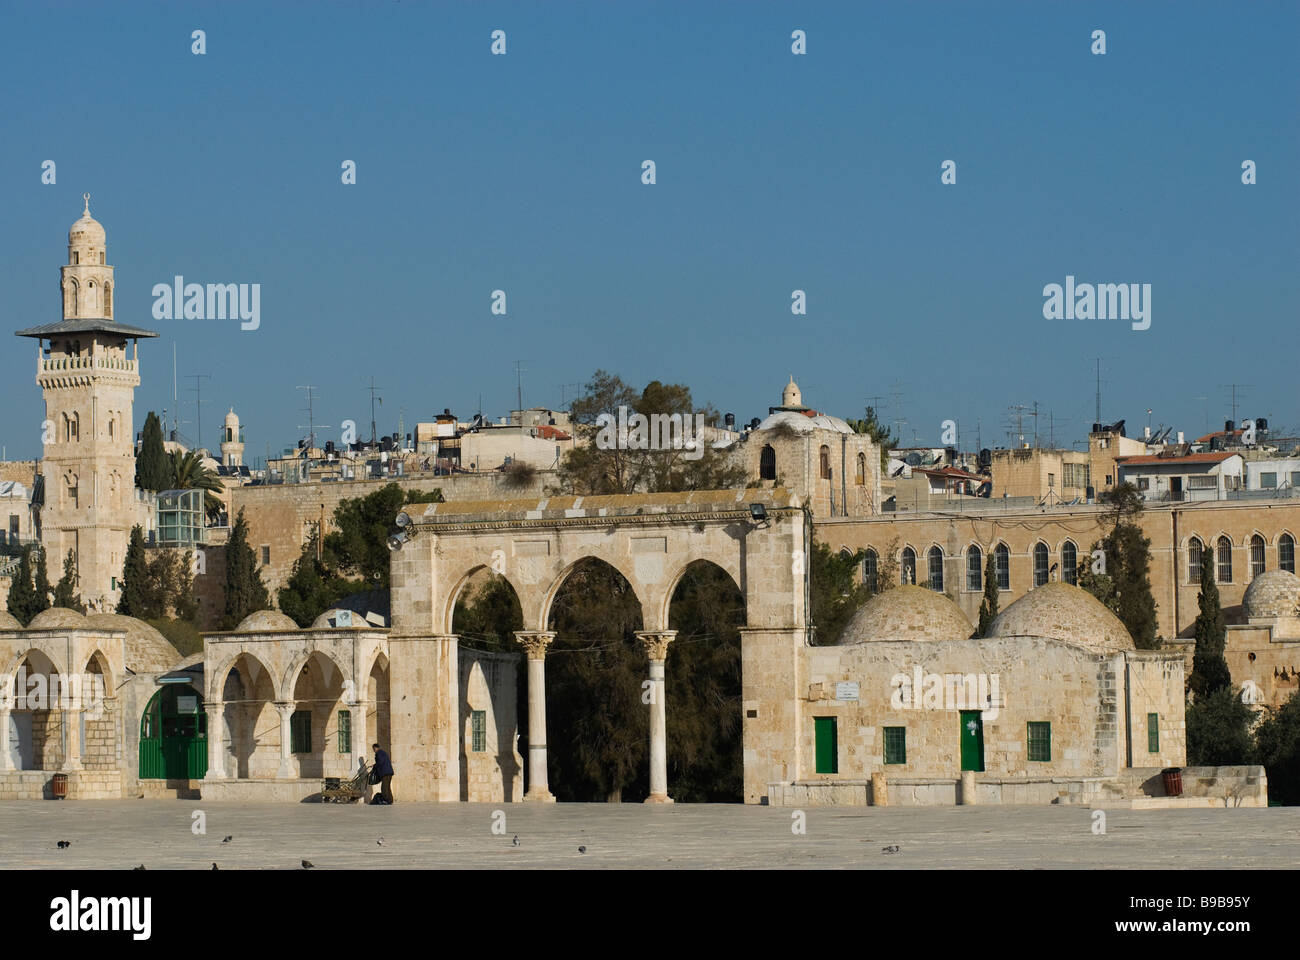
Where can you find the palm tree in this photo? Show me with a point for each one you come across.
(189, 473)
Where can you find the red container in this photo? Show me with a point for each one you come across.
(1173, 777)
(60, 786)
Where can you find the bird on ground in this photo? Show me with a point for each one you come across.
(141, 867)
(228, 839)
(891, 849)
(582, 849)
(64, 844)
(380, 841)
(307, 864)
(515, 841)
(214, 866)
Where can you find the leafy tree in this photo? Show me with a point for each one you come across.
(1209, 667)
(245, 590)
(358, 547)
(836, 595)
(186, 604)
(312, 588)
(41, 585)
(185, 471)
(880, 433)
(22, 595)
(152, 471)
(491, 617)
(1218, 730)
(135, 577)
(989, 606)
(65, 591)
(1278, 739)
(1125, 587)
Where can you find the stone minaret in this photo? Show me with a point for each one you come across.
(88, 376)
(232, 441)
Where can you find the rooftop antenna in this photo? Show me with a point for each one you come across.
(311, 420)
(519, 388)
(373, 400)
(197, 390)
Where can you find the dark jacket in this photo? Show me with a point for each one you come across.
(383, 766)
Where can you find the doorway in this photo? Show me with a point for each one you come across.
(972, 740)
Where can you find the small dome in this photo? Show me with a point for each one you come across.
(266, 620)
(87, 231)
(1060, 611)
(146, 650)
(908, 612)
(790, 396)
(56, 617)
(329, 620)
(9, 622)
(1274, 593)
(804, 424)
(232, 418)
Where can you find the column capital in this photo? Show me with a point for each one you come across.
(285, 706)
(535, 642)
(656, 642)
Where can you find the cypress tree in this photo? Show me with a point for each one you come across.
(245, 591)
(135, 577)
(1209, 668)
(989, 607)
(65, 591)
(22, 594)
(41, 588)
(152, 467)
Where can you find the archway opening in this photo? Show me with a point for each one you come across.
(174, 735)
(252, 723)
(318, 711)
(36, 737)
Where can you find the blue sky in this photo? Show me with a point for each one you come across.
(775, 172)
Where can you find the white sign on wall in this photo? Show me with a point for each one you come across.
(846, 691)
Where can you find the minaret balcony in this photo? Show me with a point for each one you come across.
(55, 364)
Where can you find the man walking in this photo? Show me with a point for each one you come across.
(384, 770)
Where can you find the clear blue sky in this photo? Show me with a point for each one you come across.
(775, 172)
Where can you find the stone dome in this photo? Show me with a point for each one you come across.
(802, 423)
(265, 620)
(87, 231)
(329, 620)
(1274, 593)
(146, 650)
(908, 612)
(56, 618)
(790, 396)
(1060, 611)
(232, 418)
(9, 622)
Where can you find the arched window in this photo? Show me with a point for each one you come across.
(1002, 558)
(767, 463)
(871, 569)
(1286, 553)
(1224, 561)
(76, 257)
(1256, 556)
(110, 427)
(1070, 563)
(74, 425)
(908, 569)
(936, 569)
(1040, 563)
(825, 462)
(108, 300)
(974, 568)
(861, 477)
(101, 256)
(1194, 550)
(70, 299)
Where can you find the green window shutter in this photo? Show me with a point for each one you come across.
(300, 732)
(828, 760)
(1153, 733)
(345, 731)
(895, 744)
(478, 731)
(1040, 741)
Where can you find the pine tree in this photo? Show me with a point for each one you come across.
(1209, 668)
(41, 587)
(245, 590)
(135, 577)
(1125, 587)
(65, 591)
(22, 595)
(152, 466)
(989, 607)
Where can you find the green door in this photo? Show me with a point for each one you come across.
(972, 740)
(173, 736)
(828, 754)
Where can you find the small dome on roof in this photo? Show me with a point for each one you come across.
(801, 423)
(265, 620)
(146, 650)
(1060, 611)
(56, 617)
(1274, 593)
(87, 231)
(329, 620)
(9, 622)
(907, 612)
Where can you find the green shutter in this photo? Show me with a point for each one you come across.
(827, 745)
(345, 731)
(478, 731)
(300, 732)
(895, 745)
(1153, 733)
(1040, 741)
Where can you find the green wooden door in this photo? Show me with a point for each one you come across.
(828, 754)
(173, 736)
(972, 740)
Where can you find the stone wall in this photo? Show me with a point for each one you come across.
(489, 683)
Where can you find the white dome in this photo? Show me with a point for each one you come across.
(801, 423)
(87, 231)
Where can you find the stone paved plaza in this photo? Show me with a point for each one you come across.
(157, 833)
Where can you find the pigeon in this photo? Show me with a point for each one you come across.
(515, 841)
(892, 849)
(307, 864)
(228, 839)
(380, 841)
(214, 866)
(64, 844)
(582, 849)
(141, 867)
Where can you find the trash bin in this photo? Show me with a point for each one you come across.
(60, 786)
(1173, 777)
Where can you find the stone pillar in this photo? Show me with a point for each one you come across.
(968, 796)
(879, 790)
(71, 718)
(360, 746)
(535, 643)
(656, 648)
(286, 758)
(216, 712)
(6, 760)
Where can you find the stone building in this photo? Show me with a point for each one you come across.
(1046, 476)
